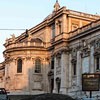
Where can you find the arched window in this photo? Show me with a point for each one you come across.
(19, 66)
(37, 66)
(74, 66)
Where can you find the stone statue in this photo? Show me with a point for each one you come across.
(13, 37)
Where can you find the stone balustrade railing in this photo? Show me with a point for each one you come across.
(28, 44)
(84, 14)
(84, 28)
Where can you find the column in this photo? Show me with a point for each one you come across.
(64, 72)
(47, 34)
(70, 70)
(79, 69)
(92, 67)
(55, 86)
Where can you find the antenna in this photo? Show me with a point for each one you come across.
(13, 29)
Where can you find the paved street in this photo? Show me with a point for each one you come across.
(41, 97)
(18, 97)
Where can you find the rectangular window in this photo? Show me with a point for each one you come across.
(52, 63)
(59, 61)
(74, 68)
(53, 30)
(59, 27)
(97, 63)
(19, 66)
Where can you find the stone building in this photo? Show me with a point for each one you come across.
(53, 55)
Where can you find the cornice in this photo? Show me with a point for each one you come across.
(61, 50)
(83, 15)
(24, 48)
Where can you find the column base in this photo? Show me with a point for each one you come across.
(54, 91)
(63, 90)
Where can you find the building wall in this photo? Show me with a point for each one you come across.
(56, 37)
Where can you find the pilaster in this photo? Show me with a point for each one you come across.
(64, 23)
(70, 70)
(56, 27)
(79, 69)
(92, 68)
(64, 72)
(55, 64)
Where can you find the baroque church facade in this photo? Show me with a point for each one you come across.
(52, 56)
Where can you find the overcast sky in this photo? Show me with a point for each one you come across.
(24, 14)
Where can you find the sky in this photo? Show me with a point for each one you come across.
(25, 14)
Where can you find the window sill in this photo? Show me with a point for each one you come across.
(37, 74)
(18, 74)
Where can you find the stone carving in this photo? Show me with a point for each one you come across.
(85, 48)
(74, 54)
(13, 37)
(97, 53)
(85, 52)
(58, 70)
(56, 6)
(7, 41)
(97, 44)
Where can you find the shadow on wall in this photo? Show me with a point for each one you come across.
(33, 84)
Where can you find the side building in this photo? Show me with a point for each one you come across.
(52, 56)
